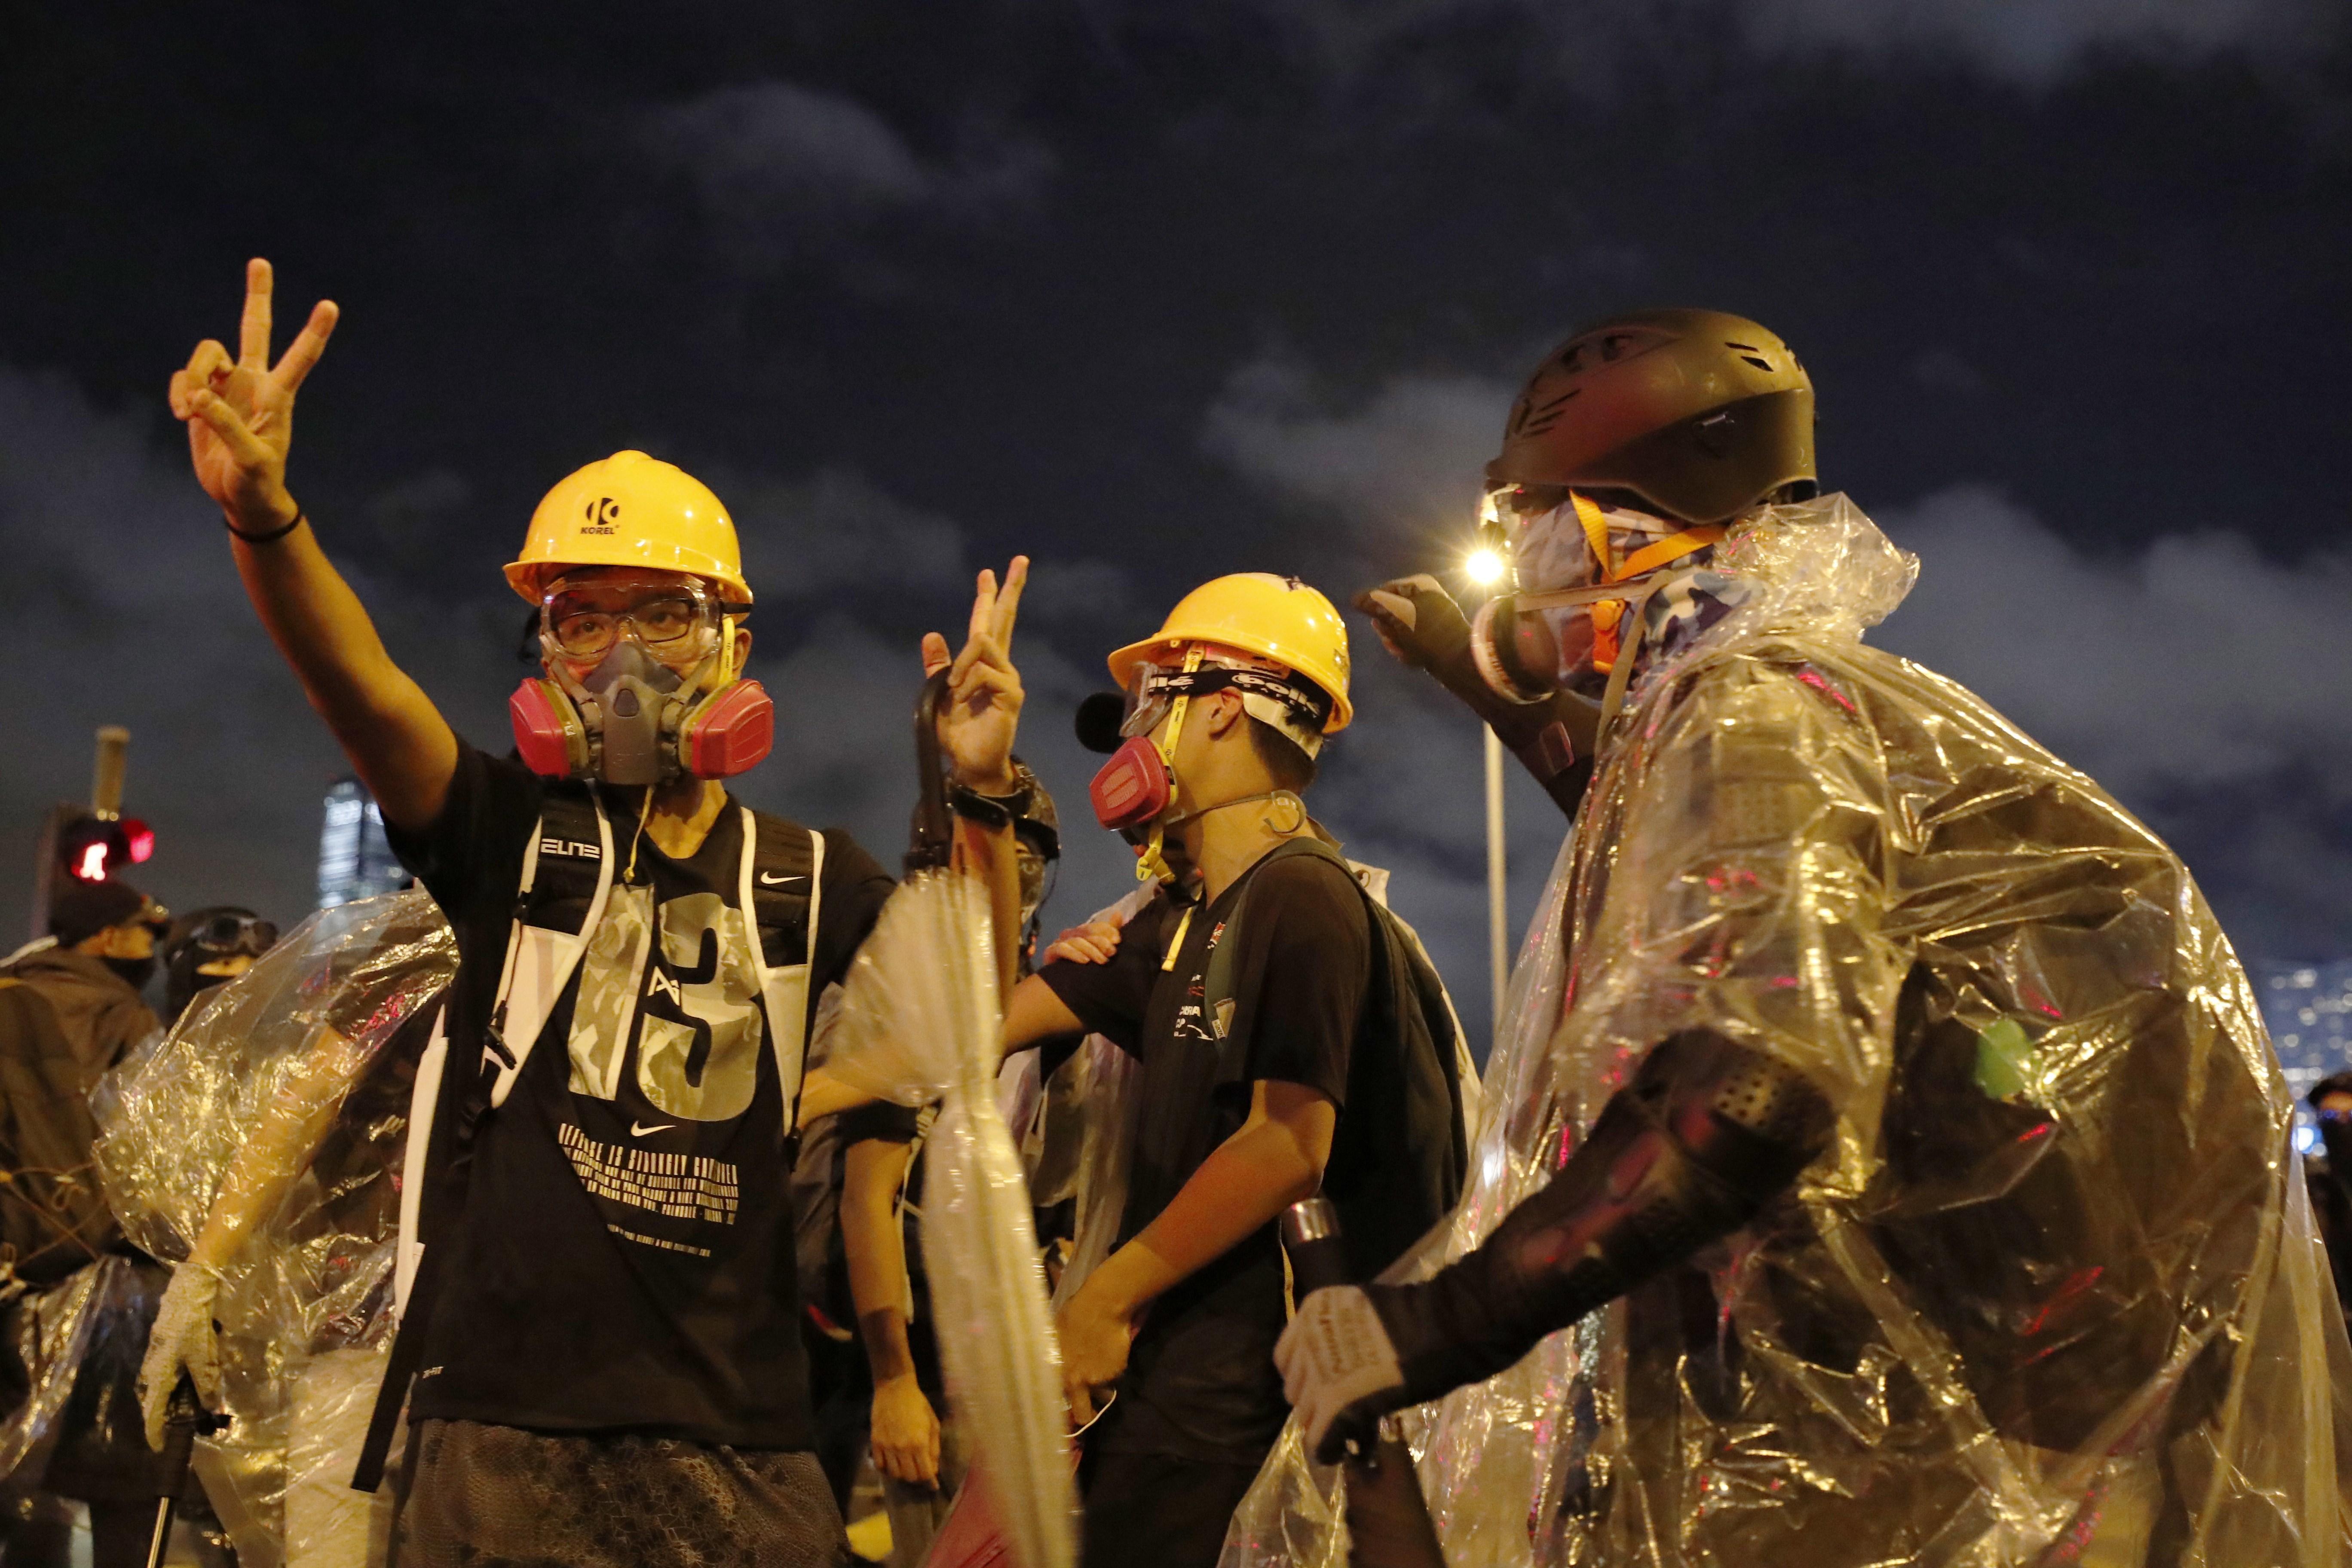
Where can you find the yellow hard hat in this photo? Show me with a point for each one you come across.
(1280, 619)
(631, 510)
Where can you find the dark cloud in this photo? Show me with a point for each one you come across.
(2036, 41)
(1407, 456)
(1155, 293)
(785, 170)
(1600, 47)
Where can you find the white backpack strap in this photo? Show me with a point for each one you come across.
(423, 1100)
(540, 963)
(784, 990)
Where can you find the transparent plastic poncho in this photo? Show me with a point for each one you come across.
(334, 1017)
(921, 1022)
(2054, 1295)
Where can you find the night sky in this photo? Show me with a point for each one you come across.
(1157, 292)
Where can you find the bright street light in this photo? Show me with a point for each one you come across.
(1484, 567)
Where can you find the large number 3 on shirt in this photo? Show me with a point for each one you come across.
(695, 1014)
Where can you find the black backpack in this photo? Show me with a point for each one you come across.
(1402, 1147)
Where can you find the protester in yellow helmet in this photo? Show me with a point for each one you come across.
(603, 1316)
(1289, 1036)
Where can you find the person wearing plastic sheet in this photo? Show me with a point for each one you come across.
(209, 947)
(1905, 1116)
(68, 1012)
(1276, 1016)
(2326, 1174)
(916, 1443)
(603, 1321)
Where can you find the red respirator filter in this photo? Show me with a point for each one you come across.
(1133, 787)
(548, 734)
(731, 733)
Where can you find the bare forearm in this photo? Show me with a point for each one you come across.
(400, 745)
(1036, 1013)
(875, 1244)
(987, 854)
(1248, 1181)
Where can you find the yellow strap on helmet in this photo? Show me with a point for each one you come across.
(1152, 865)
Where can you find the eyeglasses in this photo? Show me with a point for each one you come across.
(248, 933)
(586, 622)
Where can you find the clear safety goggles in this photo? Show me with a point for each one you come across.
(584, 619)
(1562, 538)
(1154, 688)
(1147, 702)
(226, 933)
(1506, 509)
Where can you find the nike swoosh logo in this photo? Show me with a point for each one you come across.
(779, 881)
(637, 1130)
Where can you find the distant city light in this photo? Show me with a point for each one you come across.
(2309, 1010)
(1485, 566)
(355, 861)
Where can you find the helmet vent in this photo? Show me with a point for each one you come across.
(1534, 417)
(1757, 361)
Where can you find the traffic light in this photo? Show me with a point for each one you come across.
(93, 848)
(93, 843)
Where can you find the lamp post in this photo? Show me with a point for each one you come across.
(1487, 567)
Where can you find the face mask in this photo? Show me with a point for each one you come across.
(134, 971)
(632, 721)
(1587, 570)
(1133, 787)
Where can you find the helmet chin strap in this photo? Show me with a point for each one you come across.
(1151, 866)
(1632, 621)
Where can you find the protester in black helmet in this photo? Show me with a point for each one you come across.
(209, 947)
(1898, 1109)
(1680, 419)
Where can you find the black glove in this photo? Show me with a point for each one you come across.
(1553, 737)
(1707, 1134)
(1419, 621)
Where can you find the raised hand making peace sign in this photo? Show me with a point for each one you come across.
(984, 706)
(240, 413)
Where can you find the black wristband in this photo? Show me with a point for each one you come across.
(272, 537)
(988, 810)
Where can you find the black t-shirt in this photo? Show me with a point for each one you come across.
(1200, 1382)
(625, 1257)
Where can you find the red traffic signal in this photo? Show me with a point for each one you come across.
(93, 848)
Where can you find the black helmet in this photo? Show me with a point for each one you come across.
(209, 936)
(1699, 414)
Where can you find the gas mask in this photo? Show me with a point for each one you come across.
(1584, 575)
(1136, 792)
(633, 719)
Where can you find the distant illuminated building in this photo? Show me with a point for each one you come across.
(2308, 1009)
(356, 859)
